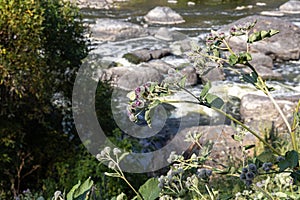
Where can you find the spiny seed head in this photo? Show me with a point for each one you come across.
(252, 167)
(201, 173)
(250, 176)
(244, 170)
(243, 176)
(208, 172)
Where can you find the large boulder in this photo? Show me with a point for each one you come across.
(260, 113)
(128, 78)
(163, 15)
(291, 7)
(112, 30)
(221, 137)
(283, 46)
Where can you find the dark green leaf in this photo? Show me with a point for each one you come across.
(214, 101)
(250, 78)
(296, 175)
(150, 189)
(266, 156)
(291, 160)
(84, 188)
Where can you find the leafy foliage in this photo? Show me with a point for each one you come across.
(42, 44)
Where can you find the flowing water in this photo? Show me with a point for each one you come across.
(200, 19)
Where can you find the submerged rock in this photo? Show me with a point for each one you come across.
(163, 15)
(112, 30)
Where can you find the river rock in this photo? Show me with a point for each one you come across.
(212, 74)
(191, 75)
(164, 33)
(260, 113)
(159, 65)
(221, 138)
(112, 30)
(181, 47)
(144, 55)
(283, 46)
(163, 15)
(128, 78)
(291, 7)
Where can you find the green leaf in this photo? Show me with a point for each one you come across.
(296, 175)
(250, 78)
(70, 194)
(150, 111)
(121, 196)
(150, 189)
(81, 193)
(260, 35)
(205, 90)
(266, 156)
(214, 101)
(182, 82)
(291, 160)
(233, 59)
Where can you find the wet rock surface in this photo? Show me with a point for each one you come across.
(106, 29)
(163, 15)
(290, 7)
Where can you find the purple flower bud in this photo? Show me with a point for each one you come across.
(139, 90)
(139, 103)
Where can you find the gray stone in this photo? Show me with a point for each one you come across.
(213, 74)
(113, 30)
(181, 47)
(260, 113)
(283, 46)
(165, 34)
(259, 59)
(221, 136)
(159, 65)
(291, 7)
(163, 15)
(144, 55)
(128, 78)
(191, 75)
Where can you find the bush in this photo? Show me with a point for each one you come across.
(42, 44)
